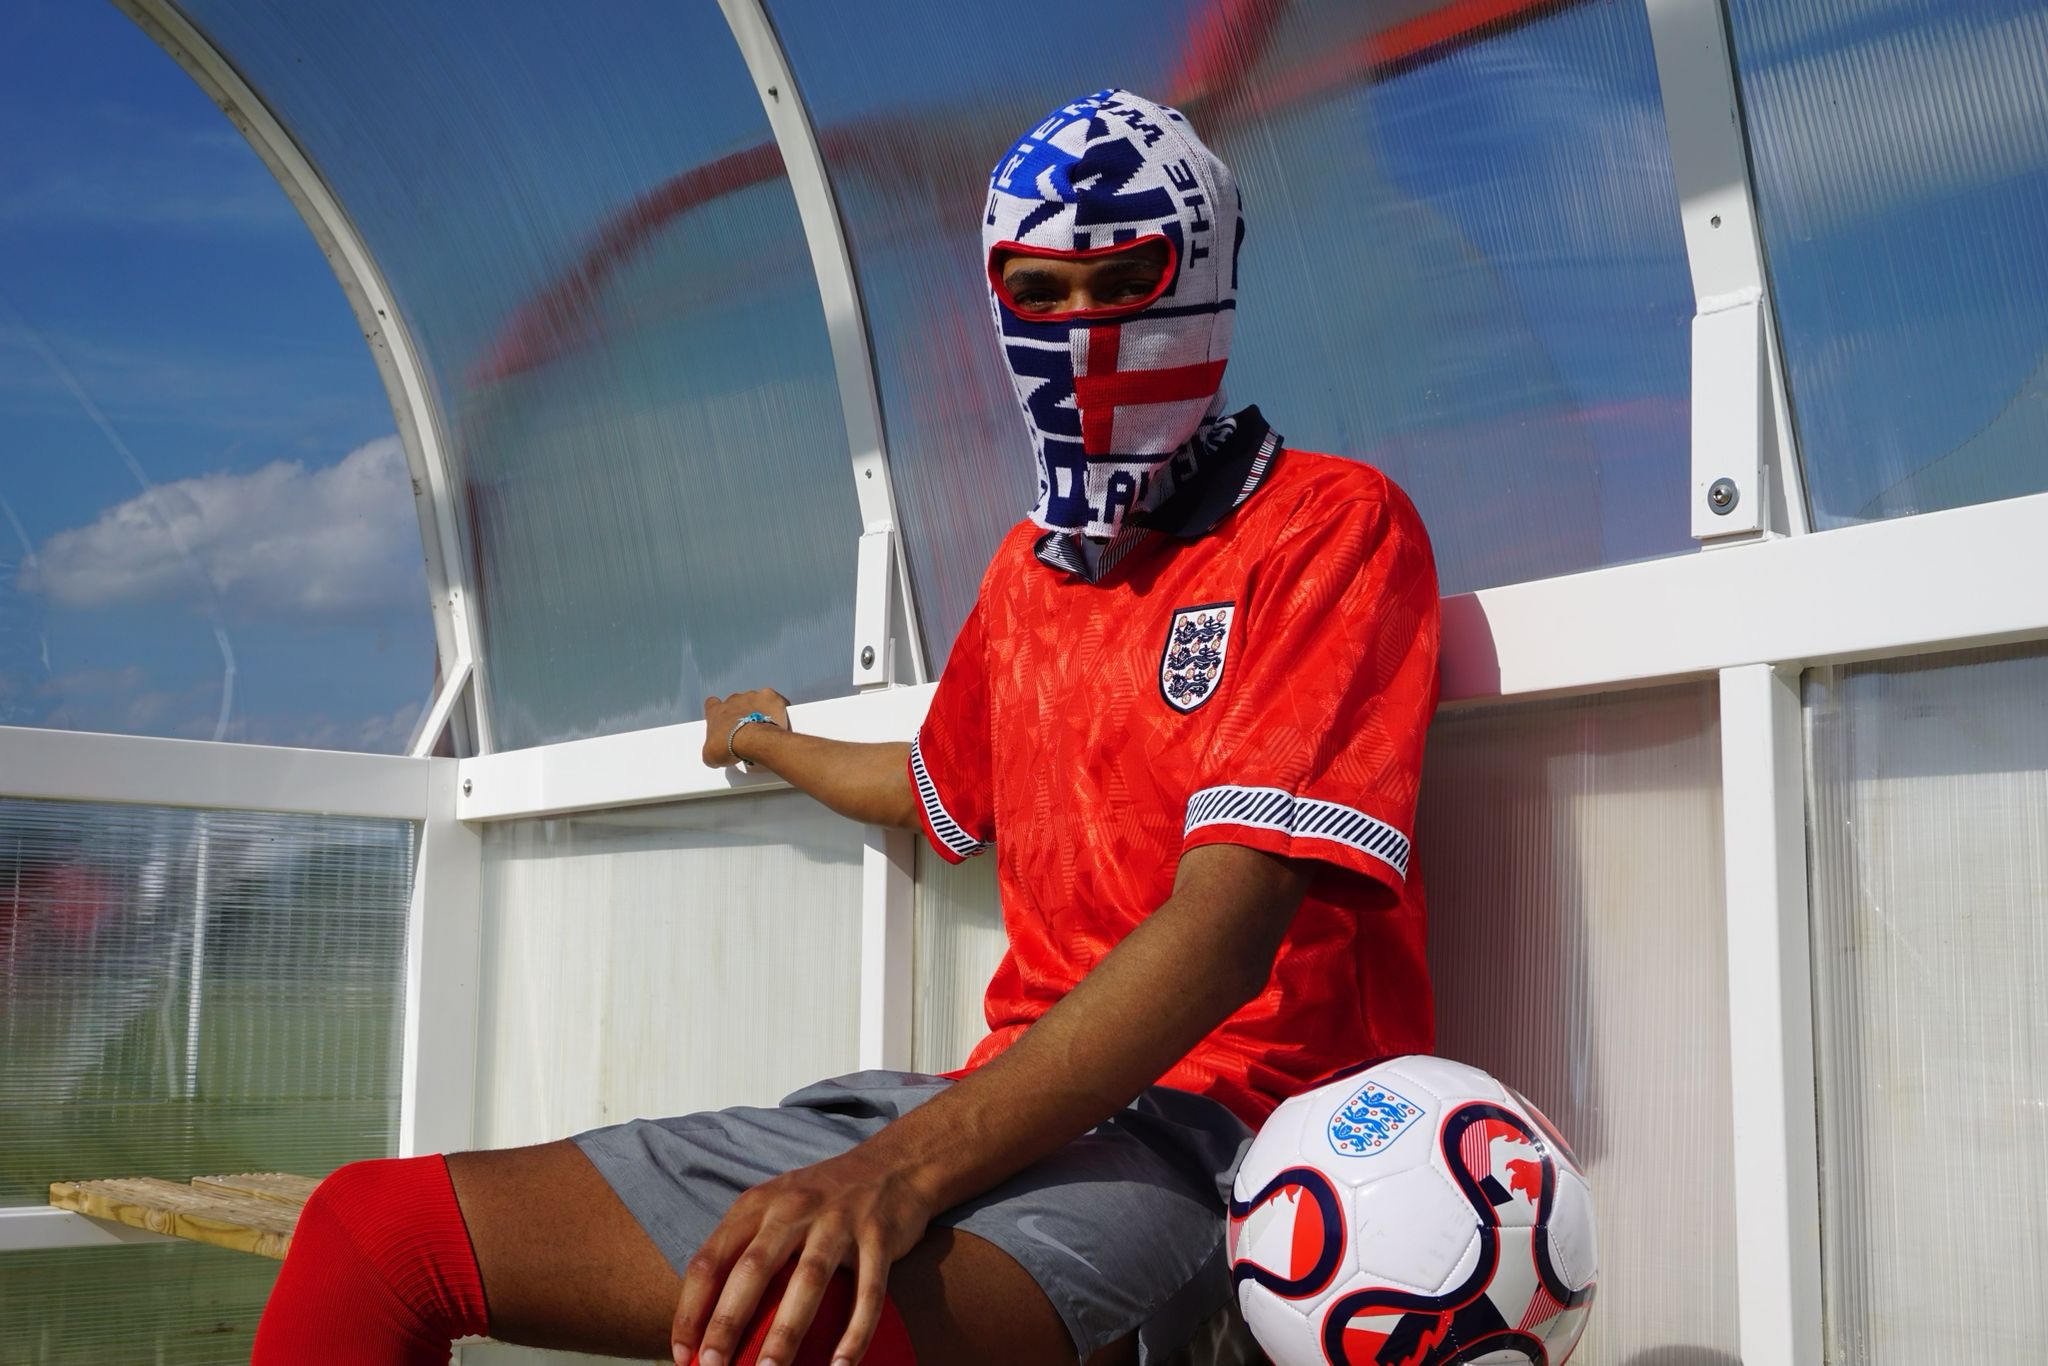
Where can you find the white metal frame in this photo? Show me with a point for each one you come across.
(1742, 434)
(1770, 602)
(443, 967)
(391, 346)
(438, 1078)
(885, 616)
(72, 766)
(38, 1228)
(1770, 1016)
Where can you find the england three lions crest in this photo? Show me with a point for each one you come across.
(1197, 643)
(1372, 1118)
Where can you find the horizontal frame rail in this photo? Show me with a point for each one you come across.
(38, 1228)
(1942, 580)
(662, 764)
(144, 770)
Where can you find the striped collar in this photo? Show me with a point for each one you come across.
(1235, 471)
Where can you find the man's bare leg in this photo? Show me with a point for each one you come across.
(566, 1265)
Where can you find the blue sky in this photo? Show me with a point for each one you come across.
(149, 259)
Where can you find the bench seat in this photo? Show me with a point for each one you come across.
(246, 1212)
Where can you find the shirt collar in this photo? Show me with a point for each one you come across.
(1236, 469)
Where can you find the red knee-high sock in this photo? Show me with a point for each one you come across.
(889, 1347)
(380, 1272)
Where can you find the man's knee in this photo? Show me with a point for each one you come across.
(376, 1205)
(380, 1259)
(347, 1200)
(394, 1222)
(355, 1185)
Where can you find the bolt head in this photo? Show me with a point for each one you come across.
(1722, 496)
(867, 656)
(465, 787)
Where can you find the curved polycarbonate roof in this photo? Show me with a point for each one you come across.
(1464, 264)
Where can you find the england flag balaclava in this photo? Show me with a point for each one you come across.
(1123, 404)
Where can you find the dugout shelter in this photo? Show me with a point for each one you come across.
(1709, 336)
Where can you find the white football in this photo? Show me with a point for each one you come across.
(1412, 1212)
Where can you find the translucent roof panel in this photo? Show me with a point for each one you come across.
(584, 221)
(1463, 259)
(207, 527)
(1901, 164)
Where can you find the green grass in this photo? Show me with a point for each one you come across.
(299, 1076)
(179, 1304)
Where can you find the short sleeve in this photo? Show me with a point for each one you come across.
(950, 768)
(1328, 687)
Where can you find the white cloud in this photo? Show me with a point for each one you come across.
(339, 542)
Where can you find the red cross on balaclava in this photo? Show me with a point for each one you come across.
(1122, 403)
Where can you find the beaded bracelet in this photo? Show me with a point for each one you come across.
(749, 719)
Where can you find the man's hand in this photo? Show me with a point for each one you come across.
(1204, 953)
(869, 783)
(855, 1210)
(721, 714)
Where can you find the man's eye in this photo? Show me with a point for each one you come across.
(1034, 300)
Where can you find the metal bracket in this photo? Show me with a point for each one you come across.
(1731, 423)
(446, 709)
(881, 615)
(1745, 470)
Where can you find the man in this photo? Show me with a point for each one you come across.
(1188, 712)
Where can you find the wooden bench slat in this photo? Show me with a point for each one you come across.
(283, 1187)
(229, 1219)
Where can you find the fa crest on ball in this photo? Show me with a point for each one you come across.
(1413, 1213)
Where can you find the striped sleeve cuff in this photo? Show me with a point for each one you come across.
(1301, 819)
(948, 836)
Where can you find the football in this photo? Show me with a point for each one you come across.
(1412, 1212)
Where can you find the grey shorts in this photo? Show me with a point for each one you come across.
(1123, 1228)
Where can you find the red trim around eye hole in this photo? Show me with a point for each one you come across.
(1002, 293)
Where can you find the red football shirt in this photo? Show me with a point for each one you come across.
(1267, 684)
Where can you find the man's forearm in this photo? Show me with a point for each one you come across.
(863, 782)
(1172, 980)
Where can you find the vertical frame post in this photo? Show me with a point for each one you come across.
(884, 603)
(1770, 1016)
(443, 959)
(888, 887)
(1746, 481)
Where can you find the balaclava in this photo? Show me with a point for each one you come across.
(1123, 404)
